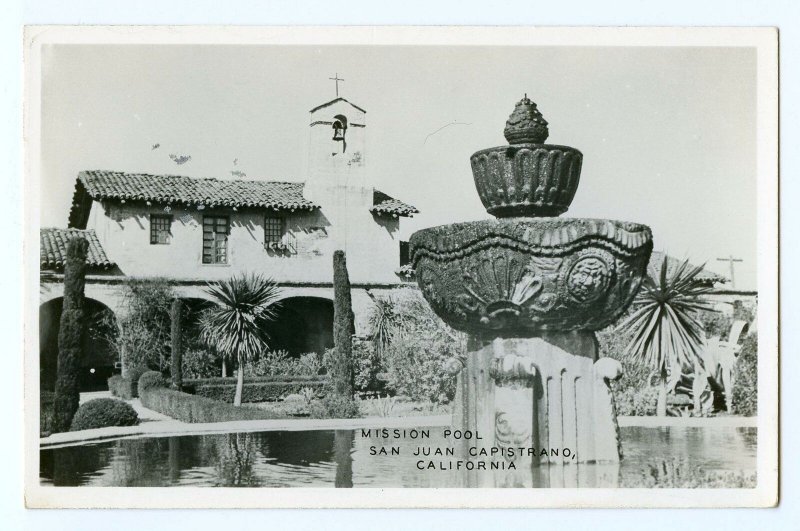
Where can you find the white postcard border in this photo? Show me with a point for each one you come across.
(765, 40)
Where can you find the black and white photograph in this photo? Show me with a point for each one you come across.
(437, 261)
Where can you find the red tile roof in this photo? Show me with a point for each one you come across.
(384, 204)
(53, 248)
(115, 185)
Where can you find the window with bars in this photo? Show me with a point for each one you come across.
(160, 229)
(276, 238)
(274, 228)
(215, 240)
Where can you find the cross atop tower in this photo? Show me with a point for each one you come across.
(336, 79)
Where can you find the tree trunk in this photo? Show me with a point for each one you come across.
(70, 336)
(342, 375)
(661, 405)
(224, 369)
(177, 347)
(237, 399)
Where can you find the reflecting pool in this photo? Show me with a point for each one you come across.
(654, 457)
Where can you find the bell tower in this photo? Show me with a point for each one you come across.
(336, 146)
(337, 176)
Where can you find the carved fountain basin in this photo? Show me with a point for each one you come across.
(525, 276)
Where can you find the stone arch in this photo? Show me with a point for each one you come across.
(99, 358)
(303, 324)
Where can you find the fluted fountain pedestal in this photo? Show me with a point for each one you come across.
(548, 396)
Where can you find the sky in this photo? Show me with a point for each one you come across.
(668, 134)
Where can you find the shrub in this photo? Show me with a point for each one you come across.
(46, 399)
(122, 387)
(126, 387)
(134, 373)
(257, 391)
(307, 364)
(143, 334)
(745, 387)
(199, 409)
(366, 364)
(231, 380)
(381, 407)
(201, 363)
(279, 362)
(104, 412)
(335, 406)
(635, 375)
(269, 363)
(149, 380)
(636, 402)
(420, 347)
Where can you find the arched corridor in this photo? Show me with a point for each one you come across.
(303, 324)
(98, 356)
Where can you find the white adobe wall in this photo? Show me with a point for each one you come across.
(124, 232)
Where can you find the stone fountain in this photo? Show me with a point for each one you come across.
(530, 289)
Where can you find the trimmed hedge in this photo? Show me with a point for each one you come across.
(149, 380)
(257, 391)
(104, 412)
(194, 409)
(121, 387)
(126, 387)
(231, 380)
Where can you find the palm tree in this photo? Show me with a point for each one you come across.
(235, 324)
(666, 333)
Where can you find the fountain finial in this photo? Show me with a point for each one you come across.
(526, 125)
(528, 178)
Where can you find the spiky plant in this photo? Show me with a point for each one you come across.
(235, 325)
(666, 333)
(382, 320)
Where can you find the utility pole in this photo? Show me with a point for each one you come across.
(731, 260)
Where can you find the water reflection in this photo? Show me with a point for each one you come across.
(344, 459)
(342, 449)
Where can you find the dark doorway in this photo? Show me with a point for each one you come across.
(98, 356)
(304, 324)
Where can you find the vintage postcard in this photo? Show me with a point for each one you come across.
(401, 267)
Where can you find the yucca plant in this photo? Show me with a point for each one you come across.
(382, 321)
(235, 325)
(666, 333)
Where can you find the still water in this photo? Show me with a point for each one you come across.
(663, 457)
